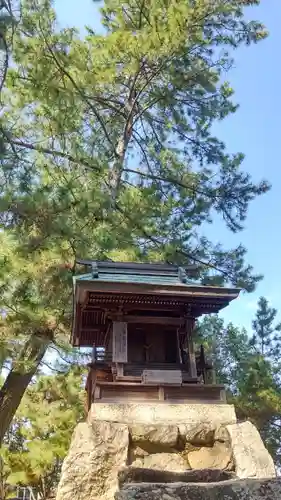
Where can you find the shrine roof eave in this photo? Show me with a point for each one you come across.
(204, 299)
(188, 291)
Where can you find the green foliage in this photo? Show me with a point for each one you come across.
(223, 342)
(252, 374)
(40, 435)
(107, 151)
(113, 134)
(266, 338)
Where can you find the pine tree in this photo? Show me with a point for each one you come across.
(115, 157)
(252, 378)
(41, 431)
(266, 338)
(34, 312)
(131, 112)
(225, 342)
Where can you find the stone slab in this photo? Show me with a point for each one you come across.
(216, 457)
(140, 475)
(165, 435)
(251, 489)
(96, 454)
(251, 458)
(157, 413)
(163, 461)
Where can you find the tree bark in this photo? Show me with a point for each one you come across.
(19, 377)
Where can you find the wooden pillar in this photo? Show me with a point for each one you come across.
(190, 345)
(213, 377)
(179, 347)
(119, 370)
(77, 323)
(110, 341)
(161, 393)
(94, 354)
(223, 396)
(90, 387)
(202, 365)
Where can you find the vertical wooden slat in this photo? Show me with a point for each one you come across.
(179, 347)
(119, 369)
(120, 343)
(77, 325)
(191, 353)
(213, 377)
(97, 393)
(223, 395)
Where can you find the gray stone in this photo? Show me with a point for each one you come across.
(217, 457)
(141, 475)
(251, 458)
(198, 435)
(222, 435)
(251, 489)
(137, 451)
(164, 413)
(96, 454)
(164, 435)
(163, 461)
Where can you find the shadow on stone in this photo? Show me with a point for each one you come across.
(141, 475)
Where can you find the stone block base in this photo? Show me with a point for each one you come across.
(129, 443)
(163, 413)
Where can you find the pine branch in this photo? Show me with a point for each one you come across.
(5, 63)
(51, 152)
(180, 252)
(76, 87)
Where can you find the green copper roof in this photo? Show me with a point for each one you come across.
(133, 278)
(154, 274)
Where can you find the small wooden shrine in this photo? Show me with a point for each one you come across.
(139, 320)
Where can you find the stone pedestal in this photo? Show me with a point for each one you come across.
(141, 441)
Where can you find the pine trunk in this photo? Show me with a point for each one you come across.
(19, 378)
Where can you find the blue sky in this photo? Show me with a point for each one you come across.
(253, 130)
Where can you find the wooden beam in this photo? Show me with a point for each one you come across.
(153, 320)
(95, 329)
(199, 387)
(128, 378)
